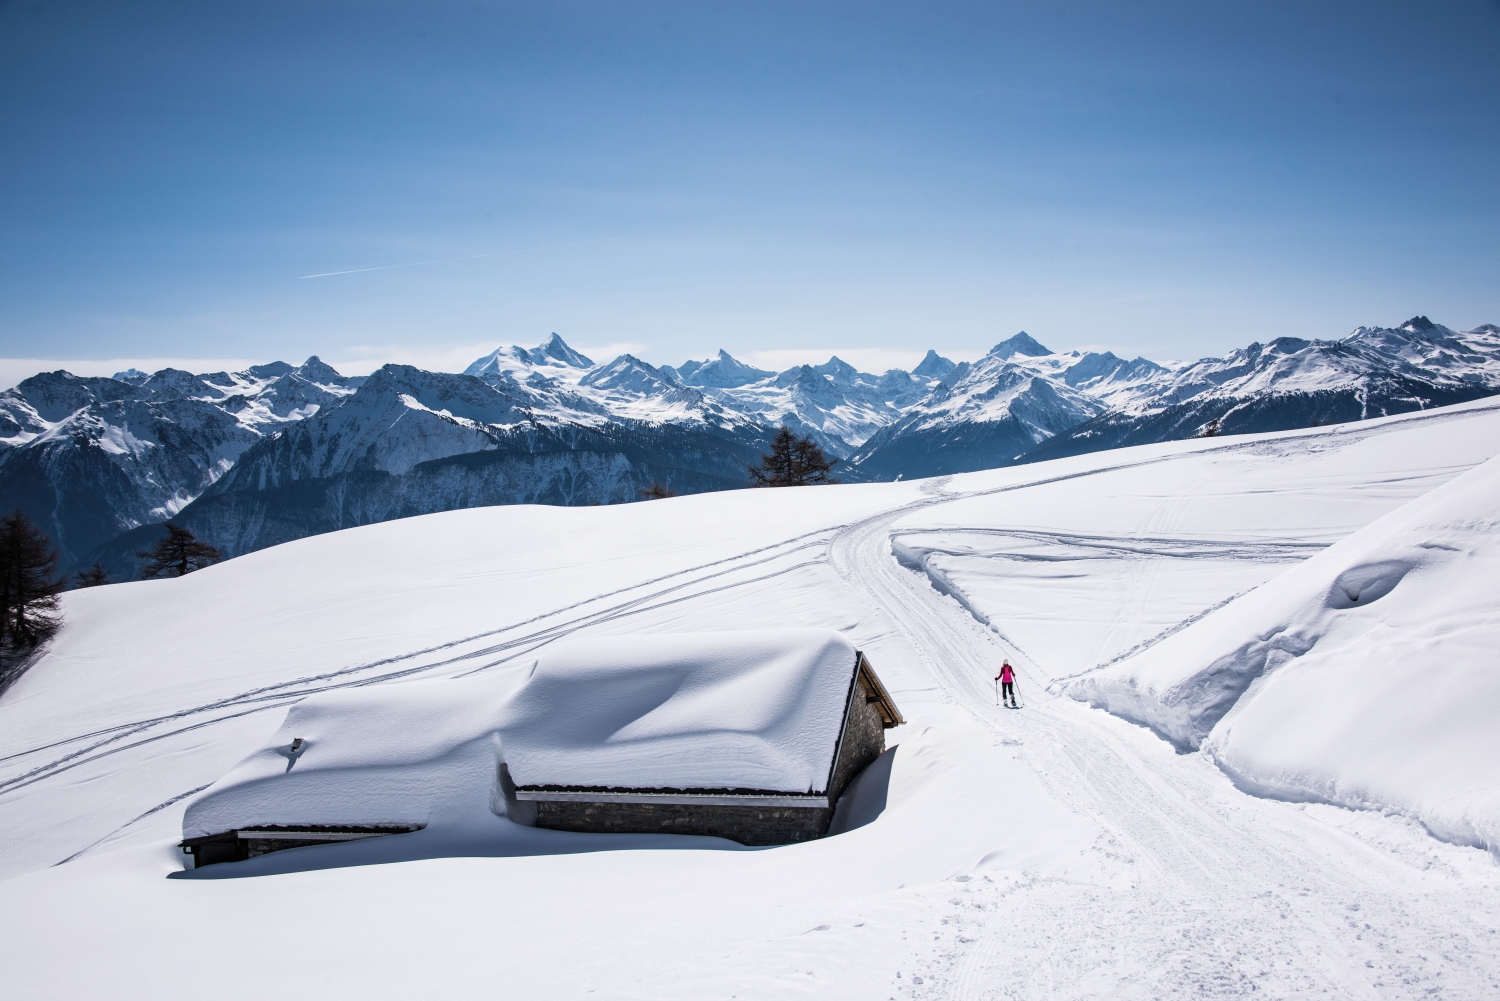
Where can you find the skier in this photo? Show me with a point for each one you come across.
(1007, 679)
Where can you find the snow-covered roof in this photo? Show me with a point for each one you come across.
(756, 710)
(736, 710)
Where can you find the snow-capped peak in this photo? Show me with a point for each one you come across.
(629, 374)
(554, 356)
(723, 372)
(933, 366)
(556, 350)
(1021, 344)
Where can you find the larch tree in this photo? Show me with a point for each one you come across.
(177, 554)
(656, 491)
(28, 585)
(94, 576)
(794, 461)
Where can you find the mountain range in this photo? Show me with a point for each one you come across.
(250, 459)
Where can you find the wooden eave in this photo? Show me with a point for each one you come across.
(672, 797)
(889, 715)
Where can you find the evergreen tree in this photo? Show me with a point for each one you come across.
(28, 585)
(94, 576)
(177, 554)
(792, 462)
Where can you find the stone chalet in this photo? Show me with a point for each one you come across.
(751, 736)
(749, 816)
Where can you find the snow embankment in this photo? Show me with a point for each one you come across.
(1364, 677)
(730, 710)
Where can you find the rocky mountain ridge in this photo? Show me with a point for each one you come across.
(276, 452)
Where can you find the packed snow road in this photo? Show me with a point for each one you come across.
(1051, 852)
(1199, 891)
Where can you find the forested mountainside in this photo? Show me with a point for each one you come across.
(250, 459)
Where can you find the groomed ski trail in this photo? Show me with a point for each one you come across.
(1194, 890)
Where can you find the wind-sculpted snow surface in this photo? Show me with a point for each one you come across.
(1364, 677)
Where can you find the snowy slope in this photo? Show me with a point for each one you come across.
(1363, 677)
(1056, 851)
(1140, 552)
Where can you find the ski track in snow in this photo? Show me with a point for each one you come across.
(116, 739)
(1196, 890)
(1218, 899)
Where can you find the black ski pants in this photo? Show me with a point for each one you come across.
(1007, 691)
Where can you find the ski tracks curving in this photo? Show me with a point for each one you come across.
(1192, 889)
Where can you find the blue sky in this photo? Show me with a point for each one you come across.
(781, 180)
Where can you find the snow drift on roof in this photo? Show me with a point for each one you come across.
(736, 710)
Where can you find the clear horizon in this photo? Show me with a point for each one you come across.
(196, 186)
(451, 358)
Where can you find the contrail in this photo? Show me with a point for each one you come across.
(445, 260)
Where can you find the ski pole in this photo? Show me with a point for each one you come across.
(997, 692)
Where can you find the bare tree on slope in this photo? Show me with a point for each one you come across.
(28, 590)
(792, 462)
(177, 554)
(94, 576)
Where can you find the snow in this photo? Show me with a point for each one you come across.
(1057, 851)
(729, 710)
(1165, 533)
(732, 710)
(1362, 677)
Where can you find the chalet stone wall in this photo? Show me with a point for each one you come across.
(749, 825)
(863, 741)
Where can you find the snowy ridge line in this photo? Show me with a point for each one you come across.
(276, 696)
(888, 585)
(1279, 438)
(940, 582)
